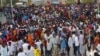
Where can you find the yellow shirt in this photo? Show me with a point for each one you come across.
(37, 52)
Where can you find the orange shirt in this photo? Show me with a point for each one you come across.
(30, 40)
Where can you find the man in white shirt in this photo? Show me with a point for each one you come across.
(4, 50)
(76, 44)
(70, 44)
(55, 44)
(20, 43)
(30, 51)
(25, 46)
(14, 47)
(48, 36)
(21, 53)
(81, 41)
(38, 43)
(81, 38)
(55, 40)
(49, 48)
(90, 51)
(10, 51)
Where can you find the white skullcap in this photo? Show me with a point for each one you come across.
(11, 26)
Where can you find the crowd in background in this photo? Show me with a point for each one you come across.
(65, 30)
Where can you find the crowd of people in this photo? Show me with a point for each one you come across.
(53, 30)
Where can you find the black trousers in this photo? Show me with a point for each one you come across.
(48, 53)
(96, 54)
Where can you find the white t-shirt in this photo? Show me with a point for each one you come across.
(70, 42)
(21, 54)
(30, 53)
(48, 37)
(20, 43)
(10, 51)
(73, 37)
(76, 41)
(14, 46)
(38, 44)
(81, 39)
(55, 41)
(58, 39)
(25, 47)
(90, 53)
(4, 51)
(49, 45)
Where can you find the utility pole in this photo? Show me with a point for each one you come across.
(11, 9)
(98, 5)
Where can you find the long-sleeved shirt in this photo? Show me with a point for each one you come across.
(21, 54)
(3, 51)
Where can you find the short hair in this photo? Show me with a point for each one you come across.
(89, 48)
(29, 47)
(21, 49)
(81, 32)
(24, 40)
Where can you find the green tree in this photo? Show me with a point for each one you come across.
(15, 1)
(9, 1)
(69, 1)
(87, 1)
